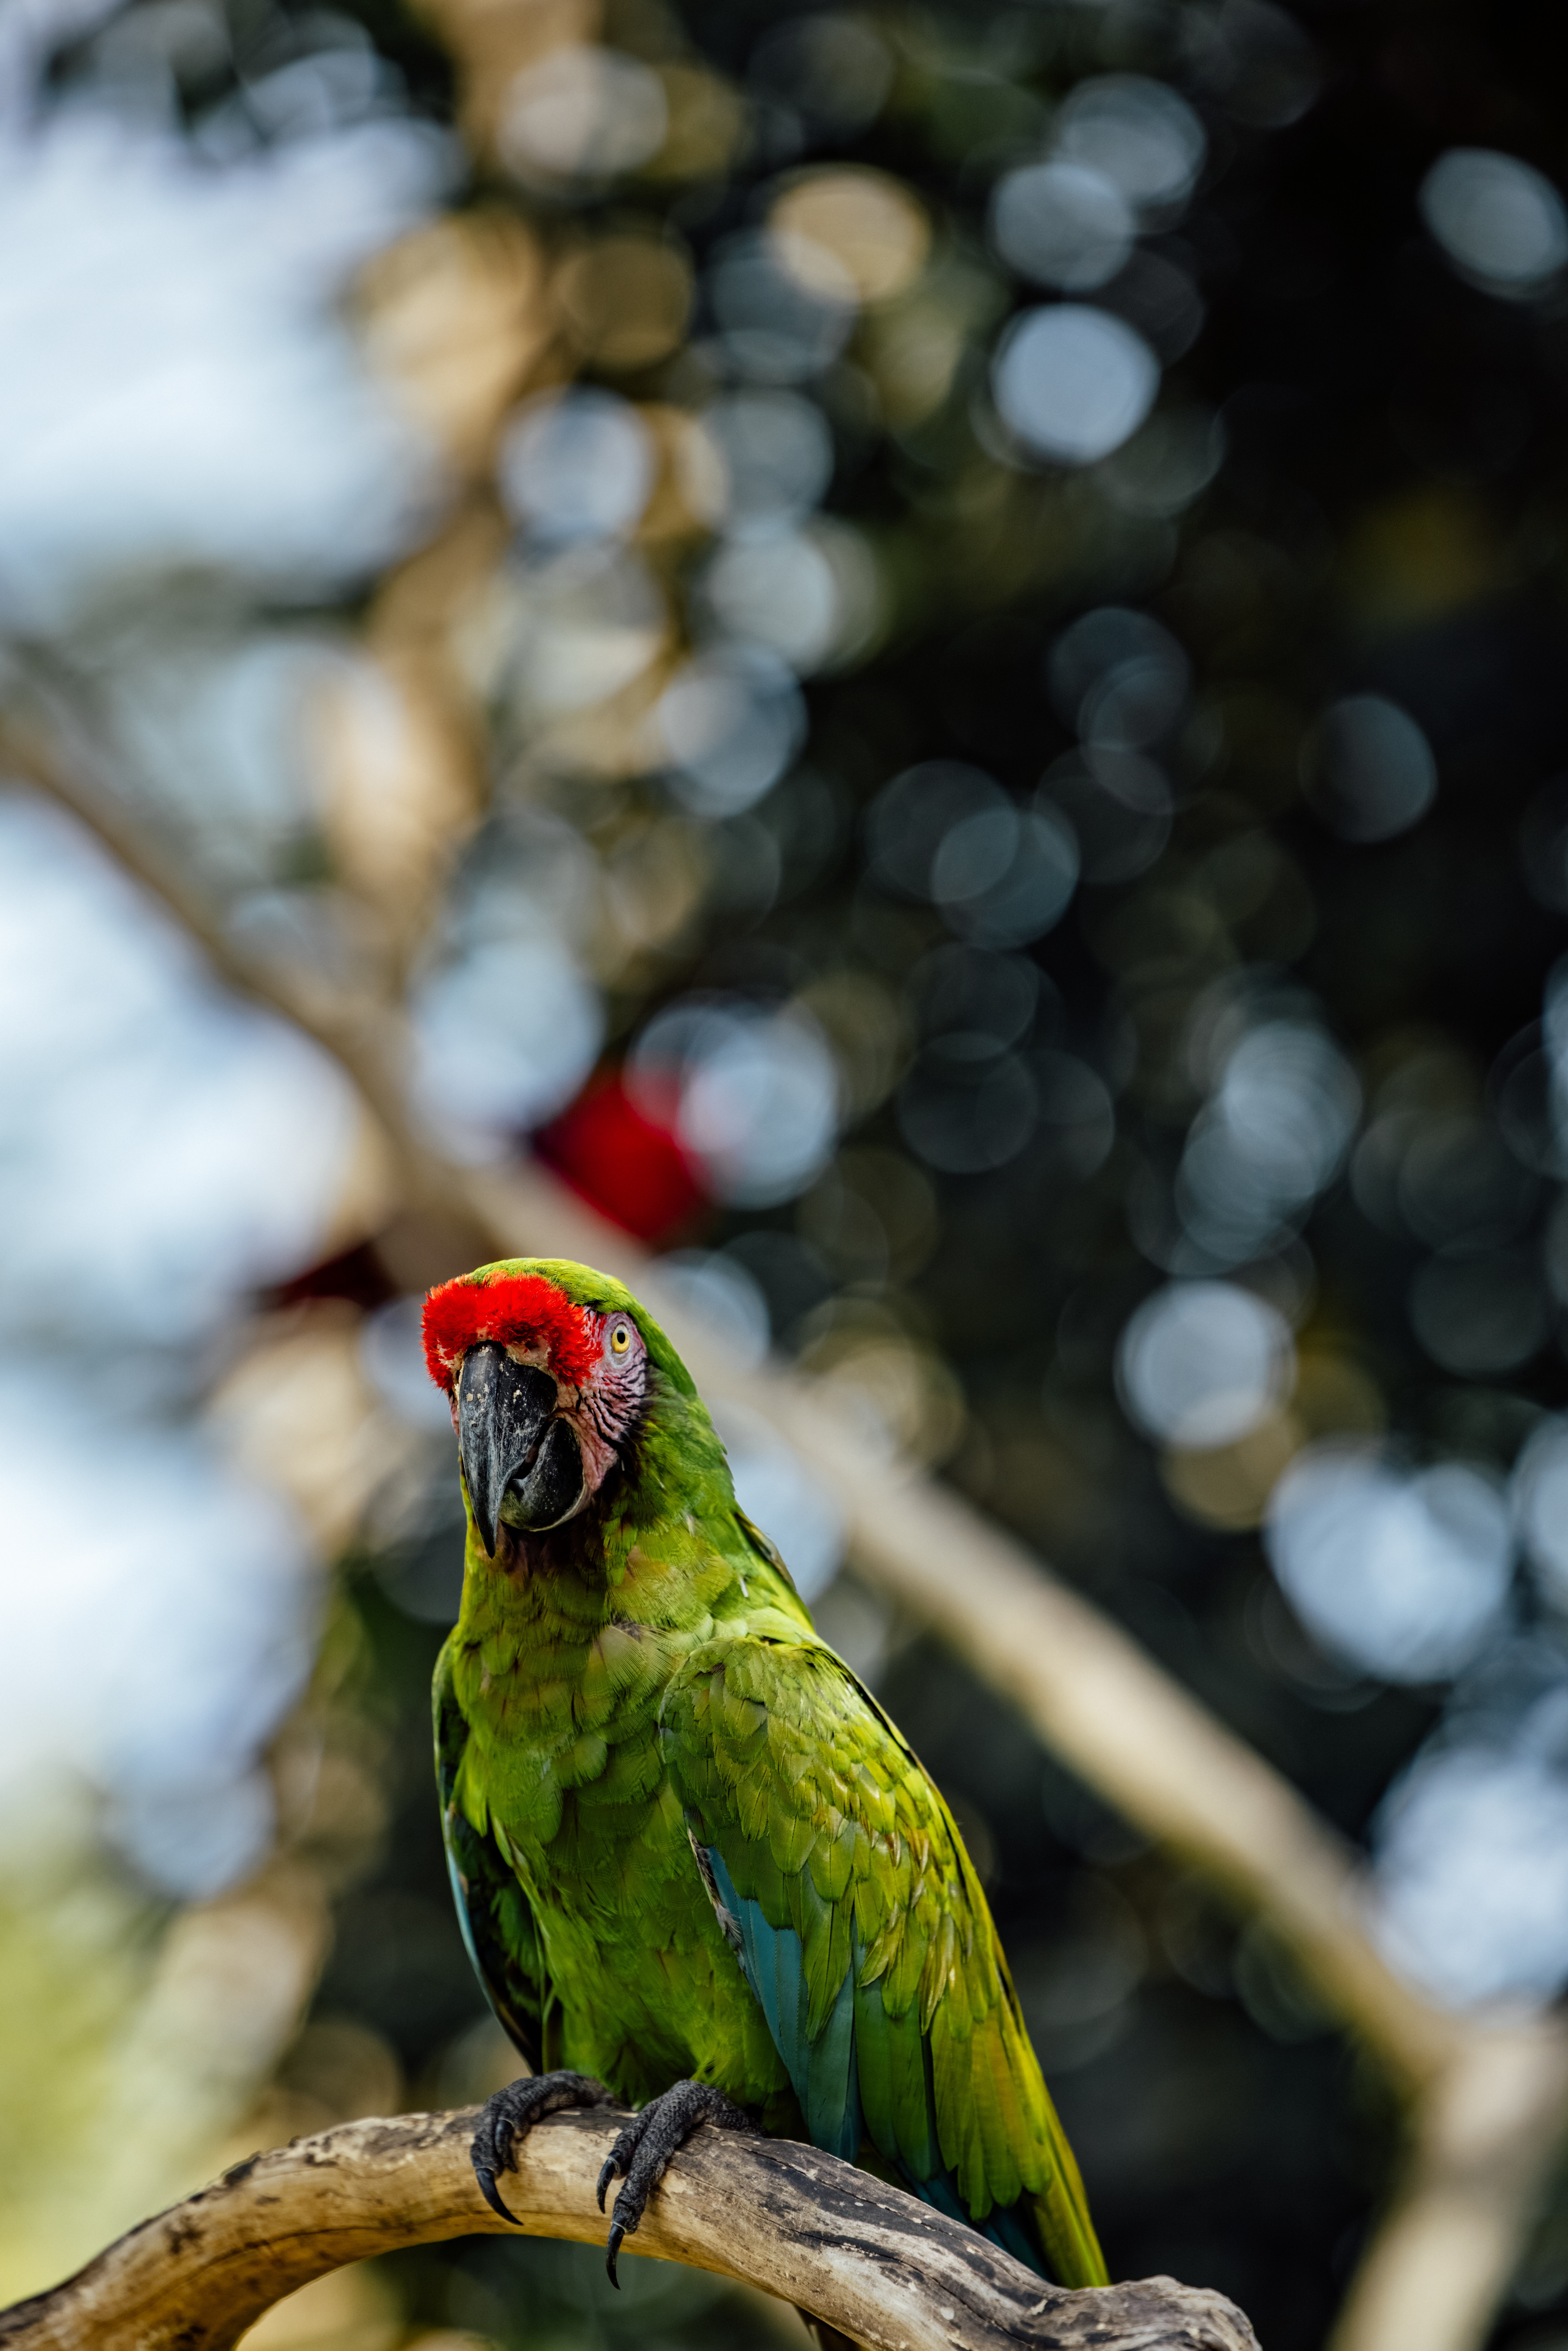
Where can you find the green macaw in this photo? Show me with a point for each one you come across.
(693, 1860)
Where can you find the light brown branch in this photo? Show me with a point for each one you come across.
(365, 1038)
(1484, 2144)
(868, 2259)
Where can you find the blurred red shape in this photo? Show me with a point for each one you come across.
(629, 1165)
(356, 1274)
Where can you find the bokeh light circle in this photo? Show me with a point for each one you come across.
(577, 465)
(1472, 1856)
(1073, 382)
(845, 222)
(774, 456)
(582, 112)
(1118, 677)
(1500, 223)
(503, 1037)
(1062, 224)
(731, 720)
(1202, 1363)
(1003, 878)
(1139, 133)
(910, 817)
(1368, 769)
(1402, 1573)
(754, 1090)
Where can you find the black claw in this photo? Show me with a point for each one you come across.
(512, 2113)
(487, 2189)
(644, 2147)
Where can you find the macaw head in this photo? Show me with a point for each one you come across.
(548, 1367)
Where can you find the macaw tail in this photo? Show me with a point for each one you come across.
(1051, 2232)
(1066, 2233)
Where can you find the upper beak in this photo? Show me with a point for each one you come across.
(502, 1411)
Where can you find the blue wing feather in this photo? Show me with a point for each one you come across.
(851, 2055)
(795, 1785)
(830, 2101)
(790, 1994)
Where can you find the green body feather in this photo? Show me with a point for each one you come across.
(686, 1842)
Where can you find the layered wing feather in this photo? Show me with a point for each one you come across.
(863, 1930)
(493, 1912)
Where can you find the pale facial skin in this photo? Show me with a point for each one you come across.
(536, 1447)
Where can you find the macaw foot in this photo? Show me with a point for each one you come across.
(644, 2147)
(512, 2113)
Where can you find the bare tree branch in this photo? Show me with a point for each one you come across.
(364, 1037)
(1485, 2141)
(867, 2258)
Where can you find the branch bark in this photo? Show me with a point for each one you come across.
(867, 2258)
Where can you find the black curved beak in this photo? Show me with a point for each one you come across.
(503, 1412)
(521, 1463)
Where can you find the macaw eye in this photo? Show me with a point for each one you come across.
(620, 1339)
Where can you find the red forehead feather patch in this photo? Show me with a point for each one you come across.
(520, 1308)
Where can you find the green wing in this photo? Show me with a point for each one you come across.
(862, 1928)
(497, 1924)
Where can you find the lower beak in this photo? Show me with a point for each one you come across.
(508, 1438)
